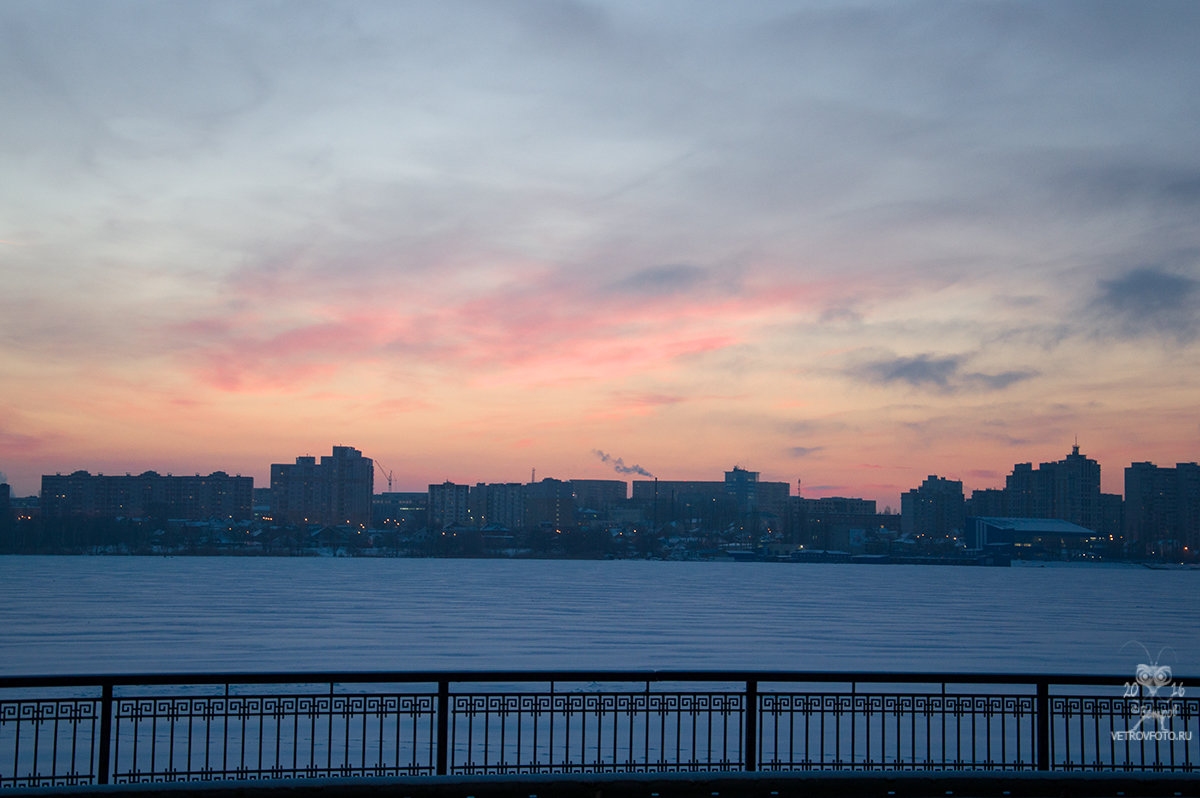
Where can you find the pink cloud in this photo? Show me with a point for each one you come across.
(405, 405)
(16, 444)
(628, 405)
(544, 328)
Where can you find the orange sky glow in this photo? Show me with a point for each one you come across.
(845, 249)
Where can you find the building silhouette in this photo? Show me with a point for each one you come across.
(406, 510)
(149, 494)
(336, 491)
(1162, 508)
(1076, 481)
(550, 504)
(499, 504)
(1068, 490)
(7, 543)
(601, 495)
(449, 503)
(989, 502)
(835, 522)
(740, 499)
(936, 508)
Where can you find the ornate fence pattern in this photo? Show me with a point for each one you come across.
(271, 736)
(126, 729)
(897, 731)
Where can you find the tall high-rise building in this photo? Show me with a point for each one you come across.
(767, 502)
(449, 503)
(936, 508)
(550, 504)
(498, 503)
(1068, 490)
(335, 491)
(742, 486)
(1162, 507)
(1076, 481)
(1029, 492)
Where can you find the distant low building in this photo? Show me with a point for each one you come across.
(1051, 537)
(601, 495)
(217, 495)
(992, 502)
(836, 522)
(740, 498)
(400, 510)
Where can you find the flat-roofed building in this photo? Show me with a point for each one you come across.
(936, 508)
(194, 498)
(550, 504)
(335, 491)
(829, 523)
(406, 510)
(601, 495)
(1162, 508)
(449, 503)
(1032, 537)
(498, 504)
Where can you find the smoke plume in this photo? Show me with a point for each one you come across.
(619, 466)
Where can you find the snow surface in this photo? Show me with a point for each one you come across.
(62, 615)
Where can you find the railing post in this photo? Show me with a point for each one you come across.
(751, 725)
(1042, 710)
(443, 726)
(106, 701)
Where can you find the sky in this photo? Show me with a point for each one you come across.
(849, 244)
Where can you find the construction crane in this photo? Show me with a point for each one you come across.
(386, 474)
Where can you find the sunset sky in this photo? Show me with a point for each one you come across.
(847, 243)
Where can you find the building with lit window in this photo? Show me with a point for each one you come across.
(498, 504)
(1162, 508)
(449, 503)
(149, 494)
(335, 491)
(936, 508)
(1068, 489)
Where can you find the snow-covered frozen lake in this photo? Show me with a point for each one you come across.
(62, 615)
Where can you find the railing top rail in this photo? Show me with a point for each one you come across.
(486, 676)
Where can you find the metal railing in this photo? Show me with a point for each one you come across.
(198, 727)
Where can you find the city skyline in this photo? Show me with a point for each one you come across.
(384, 478)
(853, 245)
